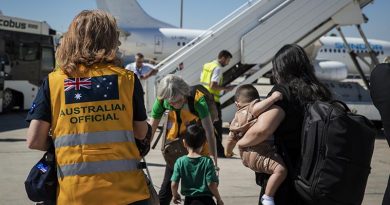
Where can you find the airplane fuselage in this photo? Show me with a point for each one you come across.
(155, 43)
(158, 43)
(334, 49)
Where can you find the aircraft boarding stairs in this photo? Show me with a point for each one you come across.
(253, 34)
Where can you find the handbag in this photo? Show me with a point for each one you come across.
(41, 183)
(153, 200)
(173, 149)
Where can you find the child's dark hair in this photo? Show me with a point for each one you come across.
(195, 136)
(246, 93)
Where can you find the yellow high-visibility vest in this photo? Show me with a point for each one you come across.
(186, 118)
(92, 129)
(205, 78)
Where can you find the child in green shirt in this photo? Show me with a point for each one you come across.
(199, 182)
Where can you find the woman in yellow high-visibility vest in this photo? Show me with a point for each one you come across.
(94, 110)
(173, 93)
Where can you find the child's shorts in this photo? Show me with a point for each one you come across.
(261, 158)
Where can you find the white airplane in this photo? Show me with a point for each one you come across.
(157, 40)
(333, 54)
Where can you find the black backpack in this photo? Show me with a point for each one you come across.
(209, 100)
(336, 152)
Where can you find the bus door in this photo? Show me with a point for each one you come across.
(47, 61)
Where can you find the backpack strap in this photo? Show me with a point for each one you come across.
(191, 101)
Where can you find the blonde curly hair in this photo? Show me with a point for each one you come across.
(92, 37)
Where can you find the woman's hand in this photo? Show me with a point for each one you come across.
(176, 199)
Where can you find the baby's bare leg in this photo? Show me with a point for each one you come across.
(231, 143)
(277, 177)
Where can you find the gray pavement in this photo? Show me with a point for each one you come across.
(237, 183)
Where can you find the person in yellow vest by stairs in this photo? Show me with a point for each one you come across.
(95, 111)
(211, 79)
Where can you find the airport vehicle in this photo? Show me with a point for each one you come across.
(26, 57)
(253, 33)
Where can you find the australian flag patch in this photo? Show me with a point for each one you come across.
(78, 90)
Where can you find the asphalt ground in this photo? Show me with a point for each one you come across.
(237, 183)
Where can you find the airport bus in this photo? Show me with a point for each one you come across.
(26, 58)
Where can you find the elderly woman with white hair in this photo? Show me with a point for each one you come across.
(173, 94)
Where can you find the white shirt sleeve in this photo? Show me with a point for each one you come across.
(216, 77)
(131, 67)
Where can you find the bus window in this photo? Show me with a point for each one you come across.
(28, 53)
(47, 59)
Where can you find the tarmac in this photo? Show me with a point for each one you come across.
(237, 183)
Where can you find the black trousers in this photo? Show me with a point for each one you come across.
(218, 129)
(165, 193)
(386, 197)
(143, 202)
(199, 200)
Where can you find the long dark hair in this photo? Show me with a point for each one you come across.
(291, 66)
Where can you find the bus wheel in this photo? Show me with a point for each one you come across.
(9, 100)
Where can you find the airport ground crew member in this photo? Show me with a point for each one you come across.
(211, 79)
(141, 69)
(94, 110)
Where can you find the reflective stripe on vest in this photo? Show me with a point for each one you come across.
(205, 78)
(87, 168)
(94, 138)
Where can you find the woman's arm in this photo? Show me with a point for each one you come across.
(265, 126)
(154, 123)
(37, 135)
(140, 129)
(209, 129)
(263, 105)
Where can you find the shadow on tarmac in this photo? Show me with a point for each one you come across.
(155, 165)
(11, 140)
(13, 120)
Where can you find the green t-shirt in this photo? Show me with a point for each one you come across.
(200, 107)
(195, 175)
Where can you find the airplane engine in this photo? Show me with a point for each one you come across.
(330, 70)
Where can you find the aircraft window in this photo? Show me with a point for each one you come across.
(326, 50)
(330, 50)
(338, 50)
(184, 43)
(343, 50)
(178, 43)
(334, 50)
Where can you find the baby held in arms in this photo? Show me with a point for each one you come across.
(262, 157)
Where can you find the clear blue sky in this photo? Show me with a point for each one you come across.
(198, 14)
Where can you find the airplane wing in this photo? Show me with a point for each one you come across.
(129, 14)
